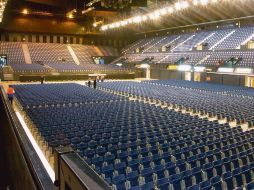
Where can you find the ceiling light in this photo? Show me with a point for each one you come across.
(184, 68)
(180, 5)
(144, 18)
(225, 70)
(163, 11)
(195, 2)
(70, 16)
(199, 69)
(244, 70)
(25, 11)
(137, 19)
(204, 2)
(170, 10)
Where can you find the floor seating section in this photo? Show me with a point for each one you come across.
(212, 103)
(136, 145)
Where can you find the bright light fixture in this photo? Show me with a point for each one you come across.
(178, 6)
(25, 11)
(204, 2)
(137, 19)
(199, 69)
(144, 66)
(225, 70)
(184, 68)
(243, 70)
(119, 64)
(70, 15)
(195, 2)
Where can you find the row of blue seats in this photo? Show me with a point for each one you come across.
(233, 108)
(48, 94)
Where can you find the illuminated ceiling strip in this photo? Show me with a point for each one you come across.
(39, 152)
(2, 8)
(180, 5)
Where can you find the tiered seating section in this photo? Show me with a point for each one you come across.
(135, 144)
(14, 52)
(50, 53)
(219, 45)
(49, 56)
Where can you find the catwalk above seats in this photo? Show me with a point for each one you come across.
(136, 145)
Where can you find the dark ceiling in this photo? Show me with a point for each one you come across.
(111, 10)
(224, 11)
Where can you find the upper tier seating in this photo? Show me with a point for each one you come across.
(50, 53)
(56, 56)
(165, 41)
(134, 145)
(236, 39)
(108, 51)
(132, 47)
(216, 37)
(220, 39)
(201, 58)
(14, 52)
(84, 53)
(214, 42)
(192, 42)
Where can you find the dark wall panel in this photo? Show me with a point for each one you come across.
(231, 80)
(154, 74)
(214, 78)
(17, 171)
(164, 75)
(42, 25)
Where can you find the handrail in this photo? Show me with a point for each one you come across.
(39, 175)
(83, 176)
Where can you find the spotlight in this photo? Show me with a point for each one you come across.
(195, 2)
(117, 25)
(105, 27)
(204, 2)
(170, 10)
(70, 16)
(130, 21)
(25, 11)
(95, 24)
(163, 11)
(137, 19)
(144, 18)
(184, 4)
(123, 23)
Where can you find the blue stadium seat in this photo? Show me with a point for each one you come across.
(119, 182)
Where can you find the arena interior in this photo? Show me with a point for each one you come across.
(127, 94)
